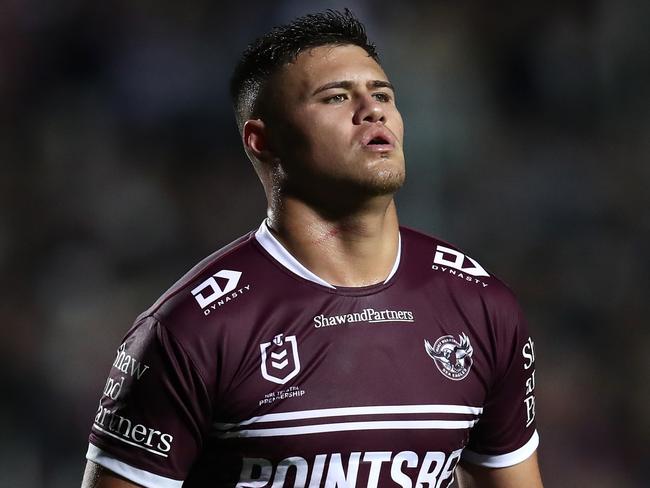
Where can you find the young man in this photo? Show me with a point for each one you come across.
(330, 347)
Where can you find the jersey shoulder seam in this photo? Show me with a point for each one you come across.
(423, 235)
(186, 354)
(196, 270)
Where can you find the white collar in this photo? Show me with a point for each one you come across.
(271, 245)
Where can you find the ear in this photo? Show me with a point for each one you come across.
(256, 140)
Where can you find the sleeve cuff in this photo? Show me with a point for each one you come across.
(503, 460)
(139, 476)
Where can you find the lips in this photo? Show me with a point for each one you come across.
(378, 139)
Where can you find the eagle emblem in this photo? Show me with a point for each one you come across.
(452, 357)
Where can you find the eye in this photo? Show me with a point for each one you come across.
(382, 97)
(341, 97)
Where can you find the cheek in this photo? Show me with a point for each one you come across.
(325, 131)
(292, 140)
(398, 126)
(303, 143)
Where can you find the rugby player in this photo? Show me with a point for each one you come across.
(330, 347)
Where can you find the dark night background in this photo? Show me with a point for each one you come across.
(527, 142)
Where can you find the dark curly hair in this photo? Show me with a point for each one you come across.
(282, 45)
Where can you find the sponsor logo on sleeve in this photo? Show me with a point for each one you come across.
(128, 366)
(219, 289)
(528, 353)
(280, 360)
(455, 263)
(111, 423)
(110, 420)
(452, 357)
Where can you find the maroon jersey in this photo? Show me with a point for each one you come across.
(253, 372)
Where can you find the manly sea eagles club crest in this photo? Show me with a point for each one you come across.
(452, 357)
(280, 361)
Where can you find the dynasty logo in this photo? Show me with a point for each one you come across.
(212, 293)
(455, 263)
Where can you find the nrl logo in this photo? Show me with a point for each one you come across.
(453, 358)
(280, 361)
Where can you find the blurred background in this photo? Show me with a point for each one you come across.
(527, 142)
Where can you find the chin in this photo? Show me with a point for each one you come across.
(385, 182)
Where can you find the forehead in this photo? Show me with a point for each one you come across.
(323, 64)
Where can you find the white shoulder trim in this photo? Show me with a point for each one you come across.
(140, 476)
(271, 245)
(503, 460)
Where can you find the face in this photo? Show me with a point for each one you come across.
(336, 125)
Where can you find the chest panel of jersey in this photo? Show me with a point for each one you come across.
(343, 374)
(254, 376)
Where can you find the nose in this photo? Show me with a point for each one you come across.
(369, 110)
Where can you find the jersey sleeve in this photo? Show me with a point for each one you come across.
(506, 432)
(153, 412)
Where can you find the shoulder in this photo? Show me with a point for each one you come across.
(193, 317)
(454, 271)
(209, 269)
(464, 291)
(186, 311)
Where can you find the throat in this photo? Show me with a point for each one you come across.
(347, 252)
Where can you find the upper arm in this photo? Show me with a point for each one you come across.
(525, 473)
(96, 476)
(506, 434)
(153, 412)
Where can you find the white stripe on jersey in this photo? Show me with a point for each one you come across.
(131, 473)
(230, 430)
(347, 426)
(350, 411)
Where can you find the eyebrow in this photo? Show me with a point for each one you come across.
(346, 84)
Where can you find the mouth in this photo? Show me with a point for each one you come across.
(378, 139)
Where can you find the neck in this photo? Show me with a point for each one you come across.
(355, 248)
